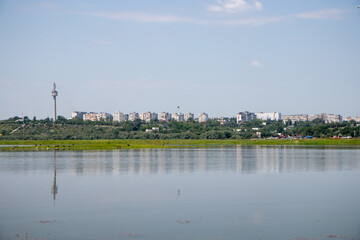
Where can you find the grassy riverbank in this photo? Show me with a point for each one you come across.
(174, 143)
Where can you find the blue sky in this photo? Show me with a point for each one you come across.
(214, 56)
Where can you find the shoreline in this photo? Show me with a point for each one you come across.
(15, 145)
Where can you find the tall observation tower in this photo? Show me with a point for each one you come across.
(54, 93)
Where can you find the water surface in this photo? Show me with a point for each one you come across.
(252, 192)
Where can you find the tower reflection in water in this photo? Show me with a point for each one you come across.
(54, 188)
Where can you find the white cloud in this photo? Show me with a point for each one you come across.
(234, 6)
(323, 14)
(141, 17)
(159, 18)
(256, 64)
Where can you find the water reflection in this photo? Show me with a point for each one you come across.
(54, 188)
(223, 193)
(254, 159)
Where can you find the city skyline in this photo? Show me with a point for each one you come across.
(218, 57)
(54, 93)
(204, 117)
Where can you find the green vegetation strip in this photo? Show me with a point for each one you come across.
(174, 143)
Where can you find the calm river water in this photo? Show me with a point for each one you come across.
(250, 193)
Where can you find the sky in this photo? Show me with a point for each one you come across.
(215, 56)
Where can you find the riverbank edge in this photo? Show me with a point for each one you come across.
(13, 145)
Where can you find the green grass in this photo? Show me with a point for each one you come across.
(174, 143)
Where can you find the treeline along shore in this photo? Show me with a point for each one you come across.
(252, 132)
(76, 134)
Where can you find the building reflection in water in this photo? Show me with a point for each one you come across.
(254, 159)
(241, 159)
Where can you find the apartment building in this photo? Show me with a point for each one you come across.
(273, 116)
(316, 116)
(133, 116)
(188, 116)
(356, 119)
(244, 116)
(203, 117)
(295, 118)
(178, 117)
(332, 118)
(328, 118)
(91, 116)
(119, 117)
(148, 116)
(164, 116)
(103, 116)
(78, 114)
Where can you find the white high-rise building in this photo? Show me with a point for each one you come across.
(178, 117)
(91, 116)
(203, 117)
(148, 116)
(119, 117)
(312, 117)
(332, 118)
(78, 114)
(164, 116)
(133, 116)
(188, 116)
(244, 116)
(328, 118)
(295, 118)
(103, 116)
(273, 116)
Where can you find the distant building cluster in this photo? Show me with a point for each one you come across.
(275, 116)
(92, 116)
(328, 118)
(147, 116)
(248, 116)
(356, 119)
(203, 117)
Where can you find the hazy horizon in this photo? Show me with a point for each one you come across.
(215, 56)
